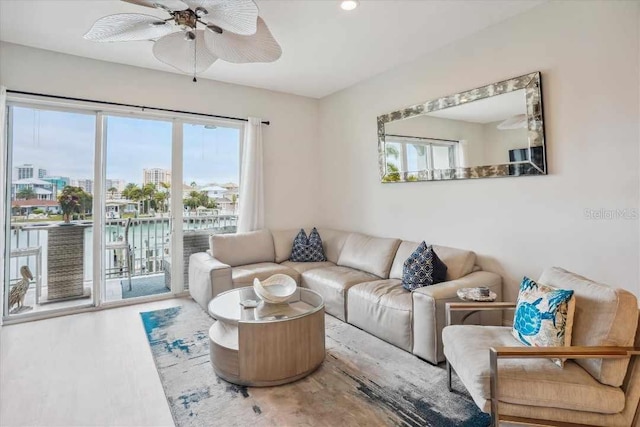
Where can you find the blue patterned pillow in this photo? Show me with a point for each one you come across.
(544, 316)
(307, 249)
(419, 268)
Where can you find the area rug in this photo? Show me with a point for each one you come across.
(363, 381)
(143, 286)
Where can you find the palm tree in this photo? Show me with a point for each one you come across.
(193, 184)
(129, 189)
(113, 191)
(27, 193)
(234, 201)
(136, 195)
(148, 191)
(166, 187)
(392, 151)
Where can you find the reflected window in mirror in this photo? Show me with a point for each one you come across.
(495, 130)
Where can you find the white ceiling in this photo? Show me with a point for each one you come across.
(488, 110)
(325, 49)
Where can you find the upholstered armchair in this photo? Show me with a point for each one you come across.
(599, 384)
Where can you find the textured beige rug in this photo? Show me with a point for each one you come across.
(363, 382)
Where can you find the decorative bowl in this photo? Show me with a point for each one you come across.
(276, 289)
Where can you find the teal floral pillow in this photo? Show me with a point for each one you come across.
(544, 316)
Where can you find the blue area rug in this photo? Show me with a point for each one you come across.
(143, 286)
(363, 382)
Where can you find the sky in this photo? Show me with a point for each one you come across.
(63, 144)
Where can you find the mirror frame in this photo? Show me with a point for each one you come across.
(531, 83)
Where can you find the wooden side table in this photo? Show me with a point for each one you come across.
(270, 344)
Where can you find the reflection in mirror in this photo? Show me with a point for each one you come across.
(498, 134)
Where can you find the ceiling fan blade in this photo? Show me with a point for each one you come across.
(259, 47)
(129, 27)
(162, 4)
(175, 50)
(237, 16)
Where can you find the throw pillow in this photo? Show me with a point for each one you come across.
(423, 268)
(307, 249)
(544, 316)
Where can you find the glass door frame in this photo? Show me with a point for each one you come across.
(101, 111)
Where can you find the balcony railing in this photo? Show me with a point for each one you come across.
(149, 242)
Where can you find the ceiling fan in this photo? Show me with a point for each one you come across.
(196, 34)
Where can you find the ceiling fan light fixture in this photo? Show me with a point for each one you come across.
(201, 11)
(349, 4)
(200, 32)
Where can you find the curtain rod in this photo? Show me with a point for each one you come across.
(421, 137)
(118, 104)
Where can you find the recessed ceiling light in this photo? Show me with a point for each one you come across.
(349, 4)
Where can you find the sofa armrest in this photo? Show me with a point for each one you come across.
(208, 277)
(448, 290)
(429, 311)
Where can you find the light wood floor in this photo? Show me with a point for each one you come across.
(91, 369)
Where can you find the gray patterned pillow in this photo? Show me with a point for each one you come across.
(307, 249)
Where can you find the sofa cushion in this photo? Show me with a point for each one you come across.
(458, 261)
(532, 382)
(604, 316)
(423, 268)
(333, 242)
(307, 249)
(244, 275)
(367, 253)
(333, 283)
(242, 248)
(301, 267)
(543, 316)
(384, 309)
(282, 243)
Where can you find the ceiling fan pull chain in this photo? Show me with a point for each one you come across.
(195, 57)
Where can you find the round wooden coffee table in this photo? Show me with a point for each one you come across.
(270, 344)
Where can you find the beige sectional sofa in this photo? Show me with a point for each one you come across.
(361, 281)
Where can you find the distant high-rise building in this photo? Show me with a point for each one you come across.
(28, 170)
(59, 182)
(156, 176)
(85, 184)
(118, 184)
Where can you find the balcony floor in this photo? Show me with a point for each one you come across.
(113, 293)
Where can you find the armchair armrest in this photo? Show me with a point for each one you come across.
(564, 352)
(576, 352)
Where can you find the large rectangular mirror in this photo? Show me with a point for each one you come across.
(492, 131)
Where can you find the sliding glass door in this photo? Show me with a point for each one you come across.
(50, 221)
(211, 170)
(108, 205)
(137, 190)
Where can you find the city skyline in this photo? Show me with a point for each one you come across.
(62, 144)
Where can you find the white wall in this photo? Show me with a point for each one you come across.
(290, 142)
(588, 55)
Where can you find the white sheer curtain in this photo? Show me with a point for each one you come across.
(251, 203)
(3, 167)
(463, 154)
